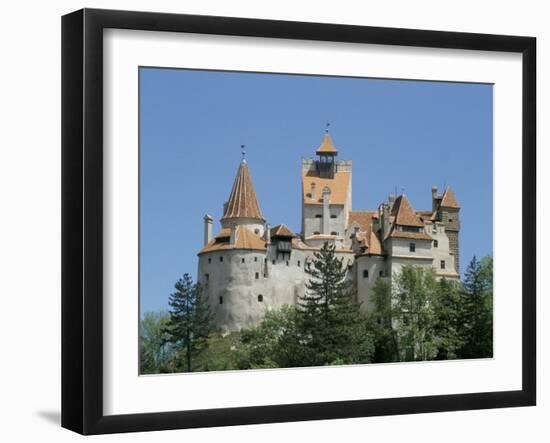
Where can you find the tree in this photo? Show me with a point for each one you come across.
(477, 310)
(412, 313)
(274, 343)
(381, 321)
(333, 330)
(447, 305)
(190, 323)
(154, 351)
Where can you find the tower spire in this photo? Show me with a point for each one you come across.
(243, 202)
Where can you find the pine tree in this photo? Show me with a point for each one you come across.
(333, 330)
(476, 315)
(191, 320)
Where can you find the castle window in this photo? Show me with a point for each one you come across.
(256, 231)
(436, 244)
(316, 233)
(442, 264)
(334, 233)
(365, 273)
(287, 263)
(412, 247)
(381, 273)
(318, 215)
(308, 195)
(298, 263)
(257, 275)
(221, 300)
(209, 260)
(255, 258)
(450, 220)
(221, 258)
(332, 215)
(272, 262)
(260, 298)
(265, 260)
(242, 260)
(206, 277)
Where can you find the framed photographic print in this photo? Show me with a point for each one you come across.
(269, 221)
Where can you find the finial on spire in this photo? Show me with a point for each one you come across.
(243, 152)
(326, 127)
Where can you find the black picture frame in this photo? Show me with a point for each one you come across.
(82, 218)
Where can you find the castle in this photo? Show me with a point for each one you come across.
(248, 267)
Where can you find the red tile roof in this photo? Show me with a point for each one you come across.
(449, 199)
(281, 231)
(339, 186)
(404, 214)
(244, 239)
(243, 202)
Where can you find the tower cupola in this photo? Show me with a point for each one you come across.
(327, 153)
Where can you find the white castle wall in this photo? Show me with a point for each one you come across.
(313, 223)
(279, 281)
(442, 252)
(400, 255)
(375, 265)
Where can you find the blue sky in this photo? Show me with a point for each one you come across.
(399, 134)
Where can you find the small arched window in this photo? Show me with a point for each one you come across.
(260, 298)
(365, 273)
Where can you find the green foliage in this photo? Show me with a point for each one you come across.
(220, 354)
(413, 313)
(380, 322)
(275, 343)
(154, 351)
(190, 323)
(418, 317)
(448, 327)
(332, 327)
(477, 309)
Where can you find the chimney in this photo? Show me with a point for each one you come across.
(312, 191)
(267, 234)
(207, 229)
(391, 200)
(233, 235)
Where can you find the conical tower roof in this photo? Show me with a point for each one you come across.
(243, 202)
(327, 147)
